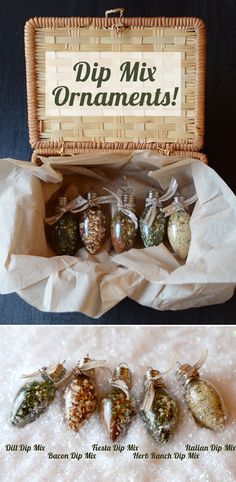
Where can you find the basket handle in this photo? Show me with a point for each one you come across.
(115, 10)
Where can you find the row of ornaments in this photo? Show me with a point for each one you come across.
(84, 218)
(159, 409)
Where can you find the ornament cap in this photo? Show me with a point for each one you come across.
(91, 195)
(128, 199)
(62, 201)
(150, 376)
(55, 373)
(152, 194)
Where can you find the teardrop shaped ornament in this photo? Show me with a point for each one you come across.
(124, 224)
(152, 221)
(202, 398)
(118, 407)
(33, 398)
(80, 401)
(160, 414)
(92, 225)
(64, 233)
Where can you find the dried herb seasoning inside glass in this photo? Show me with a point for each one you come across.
(202, 398)
(159, 410)
(118, 407)
(64, 233)
(124, 225)
(33, 398)
(92, 225)
(178, 228)
(152, 221)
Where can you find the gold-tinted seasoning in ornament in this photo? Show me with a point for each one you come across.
(202, 398)
(64, 233)
(92, 225)
(124, 225)
(159, 410)
(80, 395)
(34, 397)
(178, 228)
(118, 407)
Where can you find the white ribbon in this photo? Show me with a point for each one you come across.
(168, 210)
(121, 385)
(170, 191)
(84, 366)
(149, 386)
(124, 208)
(156, 203)
(149, 393)
(78, 205)
(152, 212)
(202, 360)
(44, 370)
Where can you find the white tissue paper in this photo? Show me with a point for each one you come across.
(154, 276)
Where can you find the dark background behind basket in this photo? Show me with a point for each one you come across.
(220, 130)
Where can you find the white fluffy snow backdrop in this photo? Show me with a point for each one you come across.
(23, 349)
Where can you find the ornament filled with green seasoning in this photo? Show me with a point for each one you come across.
(34, 397)
(201, 396)
(178, 228)
(159, 409)
(63, 229)
(118, 407)
(80, 399)
(152, 221)
(124, 225)
(93, 224)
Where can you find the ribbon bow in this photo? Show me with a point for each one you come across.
(156, 203)
(122, 207)
(78, 205)
(149, 386)
(85, 365)
(168, 210)
(75, 206)
(121, 385)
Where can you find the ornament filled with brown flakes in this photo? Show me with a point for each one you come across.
(93, 225)
(118, 407)
(124, 225)
(202, 398)
(80, 395)
(34, 397)
(159, 409)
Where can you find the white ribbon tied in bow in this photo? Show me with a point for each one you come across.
(156, 203)
(123, 208)
(78, 205)
(179, 204)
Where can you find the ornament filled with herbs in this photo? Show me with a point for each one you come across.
(178, 227)
(80, 397)
(124, 224)
(62, 229)
(159, 409)
(152, 221)
(202, 398)
(34, 397)
(118, 407)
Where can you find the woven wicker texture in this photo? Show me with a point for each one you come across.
(70, 134)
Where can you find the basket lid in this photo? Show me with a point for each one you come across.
(163, 67)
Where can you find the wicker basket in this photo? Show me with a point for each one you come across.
(181, 136)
